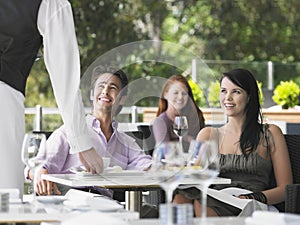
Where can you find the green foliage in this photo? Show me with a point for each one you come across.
(214, 94)
(39, 92)
(149, 71)
(50, 122)
(261, 95)
(225, 34)
(286, 94)
(198, 93)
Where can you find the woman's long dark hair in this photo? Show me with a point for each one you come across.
(191, 110)
(252, 127)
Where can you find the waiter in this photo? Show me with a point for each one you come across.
(24, 27)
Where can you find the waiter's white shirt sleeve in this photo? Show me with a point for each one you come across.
(61, 56)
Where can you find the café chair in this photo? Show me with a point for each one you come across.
(47, 133)
(292, 199)
(138, 136)
(119, 195)
(149, 141)
(154, 197)
(149, 206)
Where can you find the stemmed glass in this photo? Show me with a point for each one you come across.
(180, 127)
(34, 155)
(167, 167)
(203, 167)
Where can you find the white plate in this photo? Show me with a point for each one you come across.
(124, 173)
(50, 199)
(97, 203)
(80, 170)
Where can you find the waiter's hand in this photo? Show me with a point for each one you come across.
(92, 161)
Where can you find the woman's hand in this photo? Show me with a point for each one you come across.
(242, 197)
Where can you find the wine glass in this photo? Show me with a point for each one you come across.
(34, 155)
(167, 167)
(180, 127)
(203, 167)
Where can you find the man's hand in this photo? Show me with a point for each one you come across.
(92, 161)
(44, 187)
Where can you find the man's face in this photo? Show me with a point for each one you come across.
(106, 91)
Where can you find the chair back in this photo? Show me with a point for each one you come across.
(47, 133)
(138, 136)
(293, 144)
(149, 141)
(292, 192)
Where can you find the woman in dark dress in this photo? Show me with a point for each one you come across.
(249, 150)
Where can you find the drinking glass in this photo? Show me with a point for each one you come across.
(180, 127)
(34, 155)
(167, 167)
(203, 167)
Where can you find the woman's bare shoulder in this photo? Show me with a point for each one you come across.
(207, 133)
(275, 130)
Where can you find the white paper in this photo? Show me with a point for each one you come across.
(226, 195)
(263, 218)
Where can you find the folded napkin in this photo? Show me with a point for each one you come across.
(94, 218)
(274, 218)
(79, 195)
(80, 200)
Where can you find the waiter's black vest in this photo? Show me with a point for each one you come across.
(20, 40)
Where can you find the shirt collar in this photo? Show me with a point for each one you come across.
(95, 124)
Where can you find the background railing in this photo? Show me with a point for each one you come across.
(130, 117)
(128, 114)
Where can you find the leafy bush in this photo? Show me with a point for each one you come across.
(286, 94)
(198, 93)
(214, 94)
(261, 95)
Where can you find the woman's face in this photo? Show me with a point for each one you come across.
(177, 95)
(233, 99)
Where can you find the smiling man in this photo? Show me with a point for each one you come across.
(108, 93)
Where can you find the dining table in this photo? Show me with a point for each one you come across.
(52, 213)
(77, 206)
(280, 219)
(132, 182)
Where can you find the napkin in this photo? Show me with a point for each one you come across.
(274, 218)
(94, 218)
(81, 200)
(78, 195)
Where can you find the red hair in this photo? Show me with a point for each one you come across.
(191, 110)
